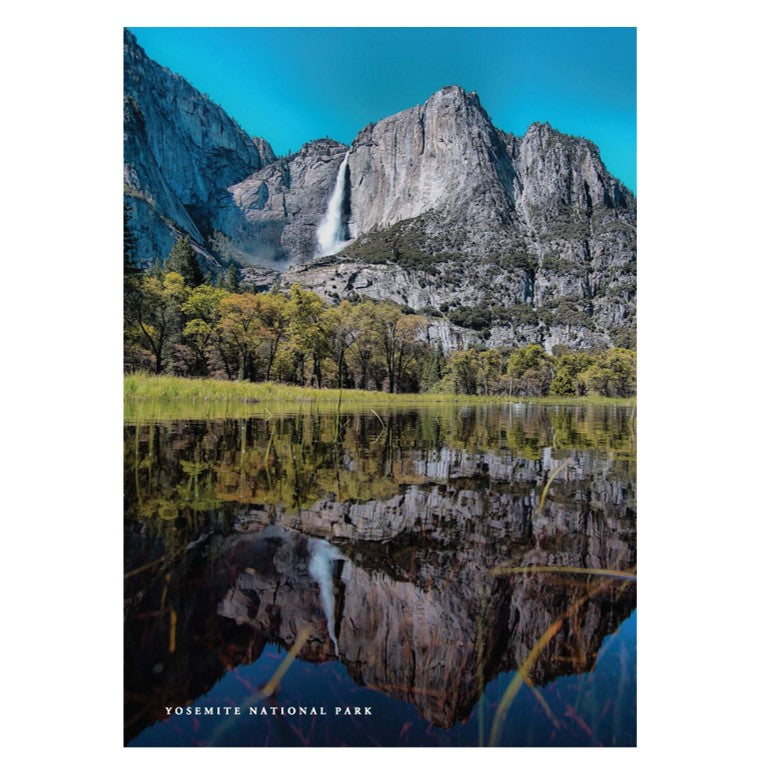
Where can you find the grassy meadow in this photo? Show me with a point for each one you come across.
(160, 397)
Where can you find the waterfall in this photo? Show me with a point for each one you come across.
(331, 233)
(322, 556)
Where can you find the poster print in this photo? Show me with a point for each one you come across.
(380, 452)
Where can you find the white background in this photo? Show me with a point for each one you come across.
(701, 423)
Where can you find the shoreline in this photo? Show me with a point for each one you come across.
(170, 397)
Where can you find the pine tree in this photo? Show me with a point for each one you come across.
(232, 279)
(130, 268)
(183, 260)
(155, 269)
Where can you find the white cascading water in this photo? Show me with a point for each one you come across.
(321, 558)
(330, 232)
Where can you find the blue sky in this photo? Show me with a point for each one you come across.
(292, 85)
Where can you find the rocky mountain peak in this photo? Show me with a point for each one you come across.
(455, 93)
(440, 155)
(322, 146)
(265, 151)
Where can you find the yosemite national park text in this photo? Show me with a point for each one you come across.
(268, 710)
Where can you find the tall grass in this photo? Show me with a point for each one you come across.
(141, 386)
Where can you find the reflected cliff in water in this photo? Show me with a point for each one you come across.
(379, 538)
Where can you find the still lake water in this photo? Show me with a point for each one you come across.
(378, 547)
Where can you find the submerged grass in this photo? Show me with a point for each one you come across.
(628, 575)
(268, 690)
(163, 396)
(522, 675)
(525, 667)
(548, 485)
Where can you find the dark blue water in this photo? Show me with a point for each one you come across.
(594, 709)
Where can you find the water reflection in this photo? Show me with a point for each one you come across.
(375, 535)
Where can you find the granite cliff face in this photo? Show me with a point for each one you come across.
(442, 156)
(180, 150)
(271, 217)
(532, 234)
(500, 239)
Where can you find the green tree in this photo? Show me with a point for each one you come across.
(398, 336)
(364, 361)
(490, 367)
(431, 367)
(569, 379)
(130, 268)
(274, 318)
(232, 279)
(183, 261)
(202, 310)
(155, 314)
(462, 371)
(341, 324)
(307, 335)
(132, 276)
(614, 373)
(241, 328)
(530, 371)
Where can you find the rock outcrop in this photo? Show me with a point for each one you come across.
(442, 156)
(271, 217)
(507, 240)
(180, 151)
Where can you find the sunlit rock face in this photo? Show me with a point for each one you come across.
(443, 155)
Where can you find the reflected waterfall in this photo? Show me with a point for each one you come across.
(322, 555)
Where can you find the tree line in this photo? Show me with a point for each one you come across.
(177, 321)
